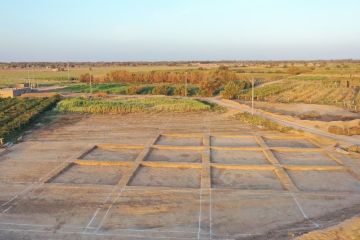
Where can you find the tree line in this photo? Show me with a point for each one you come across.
(210, 81)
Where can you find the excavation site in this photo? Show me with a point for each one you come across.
(172, 176)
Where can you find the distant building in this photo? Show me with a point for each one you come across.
(23, 85)
(58, 69)
(15, 92)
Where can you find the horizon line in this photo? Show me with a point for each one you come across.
(184, 61)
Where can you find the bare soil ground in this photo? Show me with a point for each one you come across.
(349, 229)
(302, 110)
(171, 176)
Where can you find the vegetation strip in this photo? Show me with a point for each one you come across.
(104, 106)
(258, 121)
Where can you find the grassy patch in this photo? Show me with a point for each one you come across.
(107, 88)
(157, 104)
(257, 121)
(135, 89)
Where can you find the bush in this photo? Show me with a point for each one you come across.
(234, 88)
(295, 70)
(354, 148)
(209, 86)
(133, 90)
(85, 78)
(231, 90)
(336, 130)
(163, 90)
(179, 90)
(344, 131)
(353, 131)
(311, 115)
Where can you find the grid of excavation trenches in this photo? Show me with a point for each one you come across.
(210, 186)
(216, 161)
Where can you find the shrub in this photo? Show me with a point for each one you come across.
(336, 130)
(163, 90)
(311, 115)
(344, 131)
(133, 90)
(179, 90)
(86, 78)
(354, 148)
(234, 88)
(295, 70)
(209, 86)
(353, 131)
(231, 90)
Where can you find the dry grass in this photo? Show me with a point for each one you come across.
(257, 121)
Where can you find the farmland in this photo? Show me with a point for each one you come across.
(46, 76)
(204, 79)
(16, 113)
(133, 89)
(311, 92)
(117, 162)
(158, 104)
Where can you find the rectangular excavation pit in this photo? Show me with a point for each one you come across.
(304, 158)
(233, 141)
(289, 142)
(238, 157)
(174, 155)
(235, 213)
(112, 153)
(56, 207)
(166, 177)
(179, 141)
(102, 175)
(245, 179)
(154, 214)
(337, 181)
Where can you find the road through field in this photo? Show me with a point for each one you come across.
(234, 105)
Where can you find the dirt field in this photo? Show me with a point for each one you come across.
(323, 112)
(171, 176)
(349, 229)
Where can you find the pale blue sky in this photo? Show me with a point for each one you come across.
(151, 30)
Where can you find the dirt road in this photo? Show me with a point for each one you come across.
(234, 105)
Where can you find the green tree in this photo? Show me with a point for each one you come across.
(231, 90)
(234, 88)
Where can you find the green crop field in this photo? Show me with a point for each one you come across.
(156, 104)
(16, 113)
(133, 89)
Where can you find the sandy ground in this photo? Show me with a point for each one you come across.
(326, 112)
(171, 176)
(316, 128)
(296, 109)
(299, 112)
(348, 230)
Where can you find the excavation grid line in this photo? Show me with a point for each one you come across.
(205, 191)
